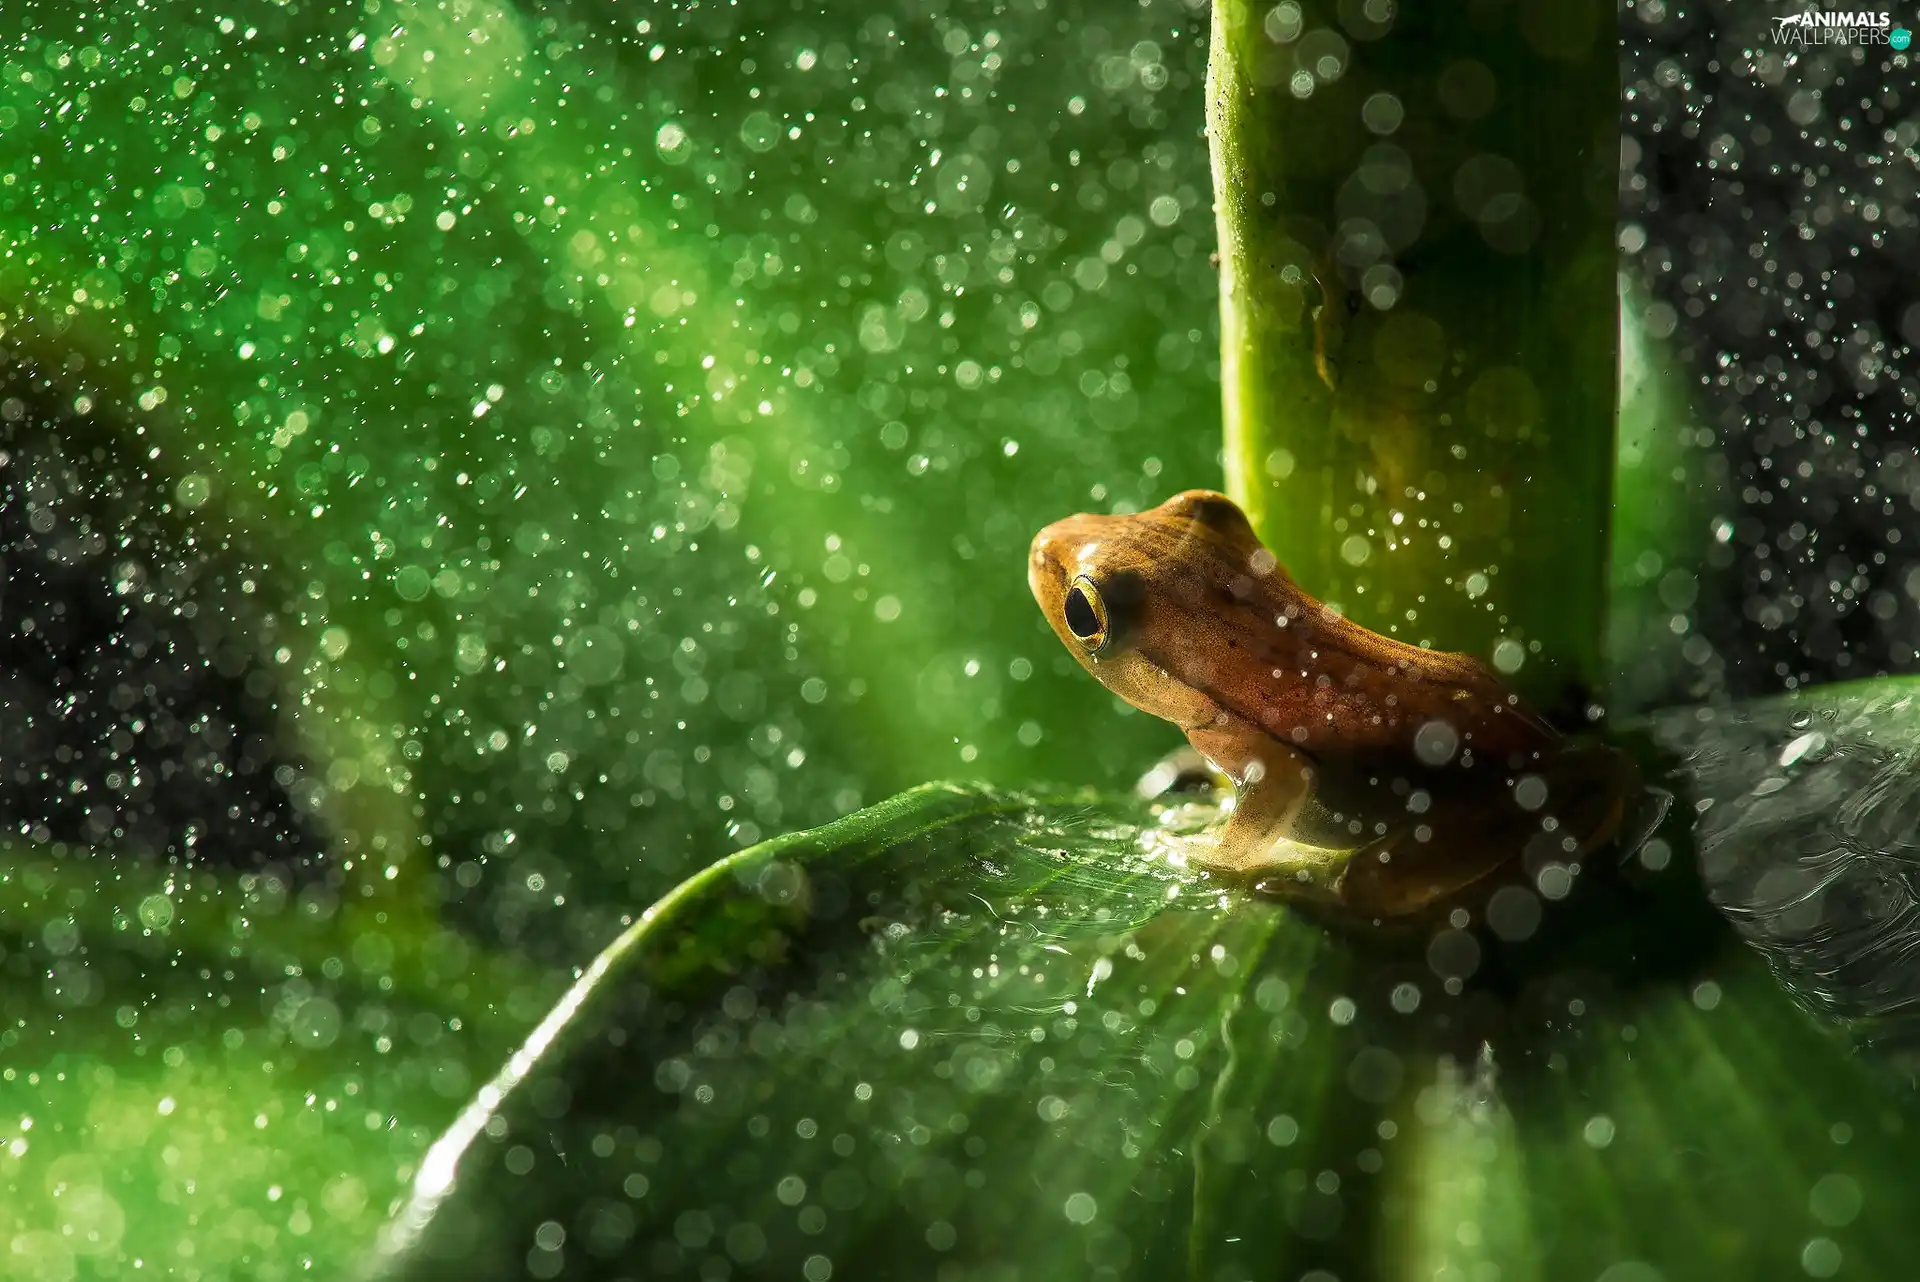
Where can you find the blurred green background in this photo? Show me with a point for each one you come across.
(629, 422)
(598, 437)
(676, 397)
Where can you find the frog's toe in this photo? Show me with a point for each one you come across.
(1288, 883)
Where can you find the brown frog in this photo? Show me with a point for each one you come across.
(1368, 773)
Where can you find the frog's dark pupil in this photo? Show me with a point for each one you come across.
(1081, 619)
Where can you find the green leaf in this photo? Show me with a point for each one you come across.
(1808, 810)
(977, 1034)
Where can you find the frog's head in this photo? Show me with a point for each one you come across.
(1118, 590)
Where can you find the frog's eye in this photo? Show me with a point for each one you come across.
(1086, 613)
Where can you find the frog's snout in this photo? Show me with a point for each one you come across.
(1046, 574)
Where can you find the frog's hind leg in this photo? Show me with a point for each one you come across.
(1400, 874)
(1596, 797)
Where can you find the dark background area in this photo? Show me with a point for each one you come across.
(1767, 202)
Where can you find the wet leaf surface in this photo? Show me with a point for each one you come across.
(1808, 811)
(972, 1034)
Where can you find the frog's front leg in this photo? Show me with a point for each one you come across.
(1272, 783)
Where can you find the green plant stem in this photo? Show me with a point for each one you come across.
(1418, 315)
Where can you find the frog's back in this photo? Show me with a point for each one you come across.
(1227, 619)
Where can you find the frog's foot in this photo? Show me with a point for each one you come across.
(1294, 870)
(1395, 875)
(1280, 866)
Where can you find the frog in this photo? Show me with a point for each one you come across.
(1369, 774)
